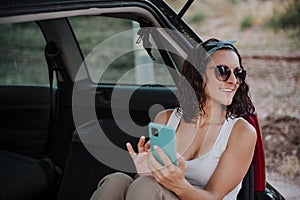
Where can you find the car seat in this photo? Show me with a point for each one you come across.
(24, 177)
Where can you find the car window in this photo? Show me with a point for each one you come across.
(101, 40)
(22, 59)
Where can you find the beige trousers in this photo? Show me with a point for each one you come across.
(119, 186)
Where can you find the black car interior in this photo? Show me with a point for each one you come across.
(23, 141)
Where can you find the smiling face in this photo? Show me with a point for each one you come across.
(218, 91)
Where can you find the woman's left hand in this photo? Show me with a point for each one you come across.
(169, 175)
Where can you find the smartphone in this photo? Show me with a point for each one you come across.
(164, 137)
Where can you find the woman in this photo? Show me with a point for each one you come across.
(215, 145)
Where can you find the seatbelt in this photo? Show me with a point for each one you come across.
(55, 64)
(53, 58)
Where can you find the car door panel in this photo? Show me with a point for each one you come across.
(142, 98)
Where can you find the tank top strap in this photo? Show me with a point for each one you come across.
(225, 132)
(230, 123)
(175, 118)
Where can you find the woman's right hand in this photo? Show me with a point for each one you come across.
(140, 159)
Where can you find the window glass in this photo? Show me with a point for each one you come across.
(109, 46)
(22, 59)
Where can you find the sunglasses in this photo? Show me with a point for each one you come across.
(222, 73)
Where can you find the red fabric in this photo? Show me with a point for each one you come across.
(259, 157)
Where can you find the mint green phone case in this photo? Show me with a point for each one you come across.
(164, 137)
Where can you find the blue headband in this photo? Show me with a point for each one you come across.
(219, 45)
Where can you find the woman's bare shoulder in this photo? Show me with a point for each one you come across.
(243, 131)
(163, 116)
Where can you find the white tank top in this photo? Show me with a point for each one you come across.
(199, 170)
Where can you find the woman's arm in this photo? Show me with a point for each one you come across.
(235, 160)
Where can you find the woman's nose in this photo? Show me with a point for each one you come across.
(232, 79)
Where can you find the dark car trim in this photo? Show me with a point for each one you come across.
(154, 6)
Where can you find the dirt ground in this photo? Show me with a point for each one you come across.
(282, 150)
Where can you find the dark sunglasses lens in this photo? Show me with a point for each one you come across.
(222, 72)
(240, 73)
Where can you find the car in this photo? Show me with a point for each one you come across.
(79, 79)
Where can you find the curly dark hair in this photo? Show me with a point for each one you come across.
(193, 70)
